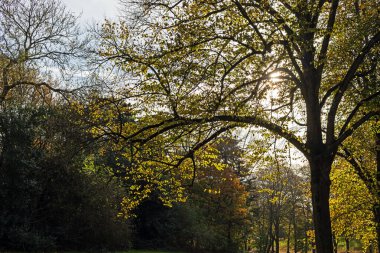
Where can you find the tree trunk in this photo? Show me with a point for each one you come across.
(229, 237)
(320, 159)
(295, 228)
(306, 246)
(269, 247)
(347, 245)
(277, 232)
(320, 191)
(288, 239)
(269, 241)
(377, 221)
(335, 242)
(376, 209)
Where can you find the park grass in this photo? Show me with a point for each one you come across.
(128, 251)
(151, 251)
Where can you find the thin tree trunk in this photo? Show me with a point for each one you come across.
(306, 245)
(288, 239)
(335, 242)
(377, 220)
(277, 232)
(376, 209)
(229, 237)
(295, 228)
(347, 245)
(269, 241)
(269, 247)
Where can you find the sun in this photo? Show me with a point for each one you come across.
(275, 77)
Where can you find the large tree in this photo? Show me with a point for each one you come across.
(198, 68)
(38, 40)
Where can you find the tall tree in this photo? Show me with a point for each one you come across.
(38, 38)
(199, 68)
(278, 206)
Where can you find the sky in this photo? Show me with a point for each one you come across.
(93, 10)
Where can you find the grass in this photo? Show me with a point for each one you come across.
(151, 251)
(129, 251)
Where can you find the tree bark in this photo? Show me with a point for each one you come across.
(376, 208)
(229, 237)
(320, 159)
(306, 246)
(377, 220)
(295, 228)
(269, 246)
(320, 191)
(288, 237)
(347, 245)
(335, 242)
(277, 232)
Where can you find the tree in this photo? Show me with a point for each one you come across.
(279, 206)
(52, 196)
(351, 206)
(223, 193)
(215, 217)
(287, 66)
(363, 158)
(37, 38)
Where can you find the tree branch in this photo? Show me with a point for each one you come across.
(354, 111)
(256, 121)
(244, 13)
(326, 38)
(352, 129)
(360, 171)
(345, 84)
(328, 94)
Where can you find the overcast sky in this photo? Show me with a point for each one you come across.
(93, 10)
